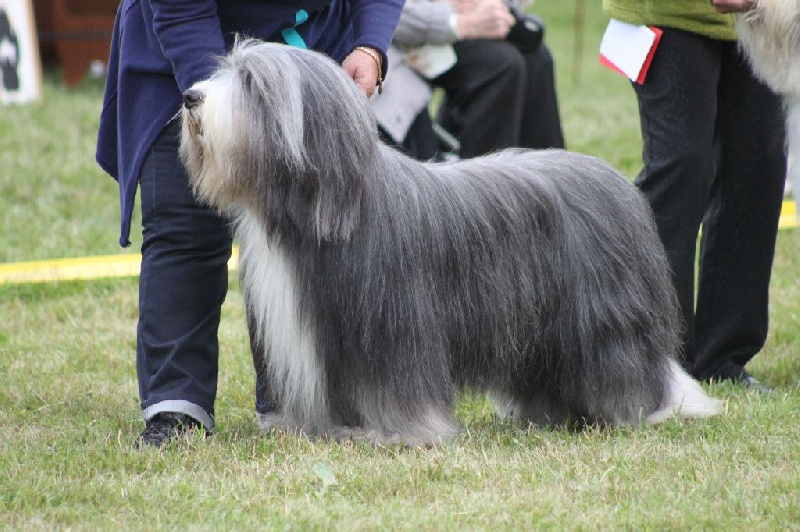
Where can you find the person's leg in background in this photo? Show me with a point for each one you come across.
(485, 93)
(420, 142)
(183, 283)
(741, 224)
(541, 119)
(677, 108)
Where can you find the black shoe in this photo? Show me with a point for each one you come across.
(751, 383)
(166, 426)
(737, 375)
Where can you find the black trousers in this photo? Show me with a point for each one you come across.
(713, 154)
(420, 142)
(183, 283)
(499, 97)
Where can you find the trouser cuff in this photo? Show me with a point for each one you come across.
(180, 407)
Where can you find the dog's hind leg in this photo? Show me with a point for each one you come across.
(388, 421)
(684, 398)
(668, 392)
(532, 410)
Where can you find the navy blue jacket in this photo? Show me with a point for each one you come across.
(161, 47)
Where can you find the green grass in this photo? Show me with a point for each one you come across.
(69, 408)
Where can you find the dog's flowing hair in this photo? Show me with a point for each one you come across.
(769, 34)
(376, 285)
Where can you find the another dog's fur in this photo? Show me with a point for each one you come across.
(376, 285)
(770, 36)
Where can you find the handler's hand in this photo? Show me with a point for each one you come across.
(490, 19)
(364, 71)
(733, 6)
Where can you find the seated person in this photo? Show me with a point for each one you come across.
(497, 95)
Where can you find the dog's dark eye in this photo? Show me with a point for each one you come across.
(191, 98)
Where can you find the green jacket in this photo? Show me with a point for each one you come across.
(696, 16)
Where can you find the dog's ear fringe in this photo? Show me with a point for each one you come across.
(313, 139)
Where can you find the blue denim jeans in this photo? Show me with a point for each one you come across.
(714, 155)
(183, 283)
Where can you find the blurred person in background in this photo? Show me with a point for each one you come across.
(713, 152)
(497, 75)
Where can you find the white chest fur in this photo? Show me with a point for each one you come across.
(269, 280)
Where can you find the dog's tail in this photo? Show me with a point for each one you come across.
(684, 398)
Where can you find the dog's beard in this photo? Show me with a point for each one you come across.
(265, 137)
(208, 132)
(191, 141)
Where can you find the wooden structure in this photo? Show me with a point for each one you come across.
(74, 33)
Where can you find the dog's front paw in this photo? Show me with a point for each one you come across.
(273, 420)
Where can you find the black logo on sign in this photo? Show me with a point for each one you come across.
(9, 54)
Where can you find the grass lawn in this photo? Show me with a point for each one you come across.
(69, 403)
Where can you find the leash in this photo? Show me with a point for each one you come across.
(290, 35)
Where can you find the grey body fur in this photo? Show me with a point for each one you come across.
(376, 286)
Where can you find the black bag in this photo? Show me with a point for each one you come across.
(528, 31)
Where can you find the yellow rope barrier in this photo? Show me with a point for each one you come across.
(128, 265)
(78, 268)
(788, 215)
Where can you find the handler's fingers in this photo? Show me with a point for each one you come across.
(363, 70)
(733, 6)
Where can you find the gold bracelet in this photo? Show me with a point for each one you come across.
(378, 61)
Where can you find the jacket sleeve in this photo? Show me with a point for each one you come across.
(424, 22)
(190, 37)
(374, 23)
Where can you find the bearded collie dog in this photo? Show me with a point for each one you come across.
(377, 286)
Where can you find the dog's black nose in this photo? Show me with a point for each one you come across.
(191, 98)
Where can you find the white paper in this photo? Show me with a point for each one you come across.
(626, 46)
(431, 60)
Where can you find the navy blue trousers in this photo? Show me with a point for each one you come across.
(714, 155)
(183, 283)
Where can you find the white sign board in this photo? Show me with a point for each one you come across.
(20, 69)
